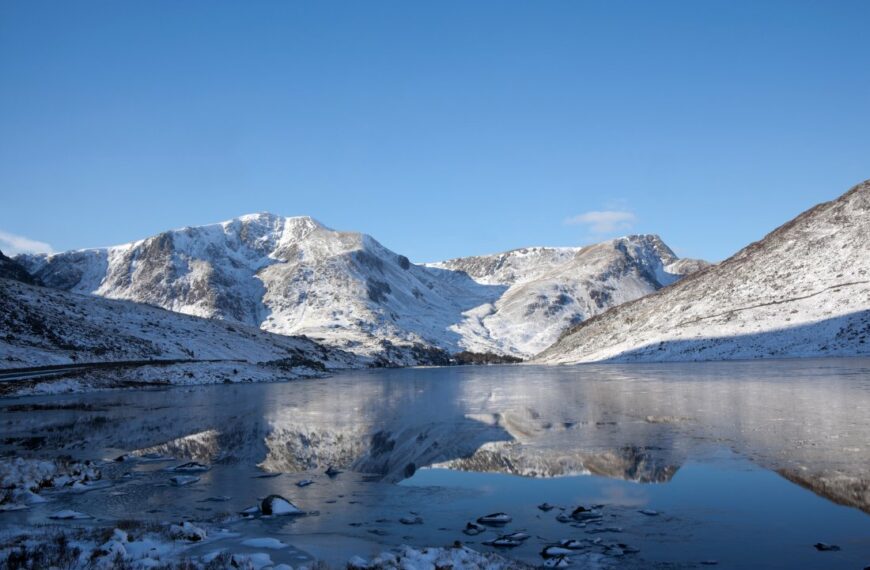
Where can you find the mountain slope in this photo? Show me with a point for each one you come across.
(41, 326)
(11, 269)
(552, 289)
(295, 276)
(802, 290)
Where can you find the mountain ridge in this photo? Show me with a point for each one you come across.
(805, 263)
(295, 275)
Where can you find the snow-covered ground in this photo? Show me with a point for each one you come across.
(43, 326)
(137, 344)
(803, 290)
(295, 276)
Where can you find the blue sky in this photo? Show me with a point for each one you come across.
(441, 128)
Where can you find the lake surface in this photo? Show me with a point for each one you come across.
(744, 463)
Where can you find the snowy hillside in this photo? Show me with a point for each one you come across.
(802, 290)
(549, 290)
(295, 276)
(42, 326)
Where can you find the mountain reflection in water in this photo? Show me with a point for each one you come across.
(806, 420)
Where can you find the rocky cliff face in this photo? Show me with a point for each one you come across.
(803, 290)
(11, 269)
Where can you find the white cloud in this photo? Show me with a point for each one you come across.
(604, 222)
(11, 244)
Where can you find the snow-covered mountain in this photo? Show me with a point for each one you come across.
(803, 290)
(549, 290)
(295, 276)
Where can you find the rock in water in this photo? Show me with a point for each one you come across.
(69, 515)
(824, 547)
(190, 467)
(554, 551)
(503, 543)
(584, 514)
(519, 535)
(472, 529)
(495, 519)
(278, 505)
(183, 480)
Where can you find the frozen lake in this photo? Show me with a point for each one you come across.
(732, 462)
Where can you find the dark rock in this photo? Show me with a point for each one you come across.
(473, 529)
(278, 505)
(495, 519)
(824, 547)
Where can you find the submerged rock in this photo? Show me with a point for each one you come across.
(190, 467)
(495, 519)
(473, 529)
(503, 542)
(825, 547)
(332, 471)
(67, 515)
(411, 520)
(278, 505)
(546, 507)
(555, 550)
(585, 514)
(571, 544)
(649, 512)
(519, 535)
(304, 483)
(272, 543)
(155, 457)
(613, 529)
(183, 480)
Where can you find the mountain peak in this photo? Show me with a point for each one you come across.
(275, 220)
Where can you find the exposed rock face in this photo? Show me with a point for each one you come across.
(294, 276)
(11, 269)
(803, 290)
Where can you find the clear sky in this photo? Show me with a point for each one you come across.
(441, 128)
